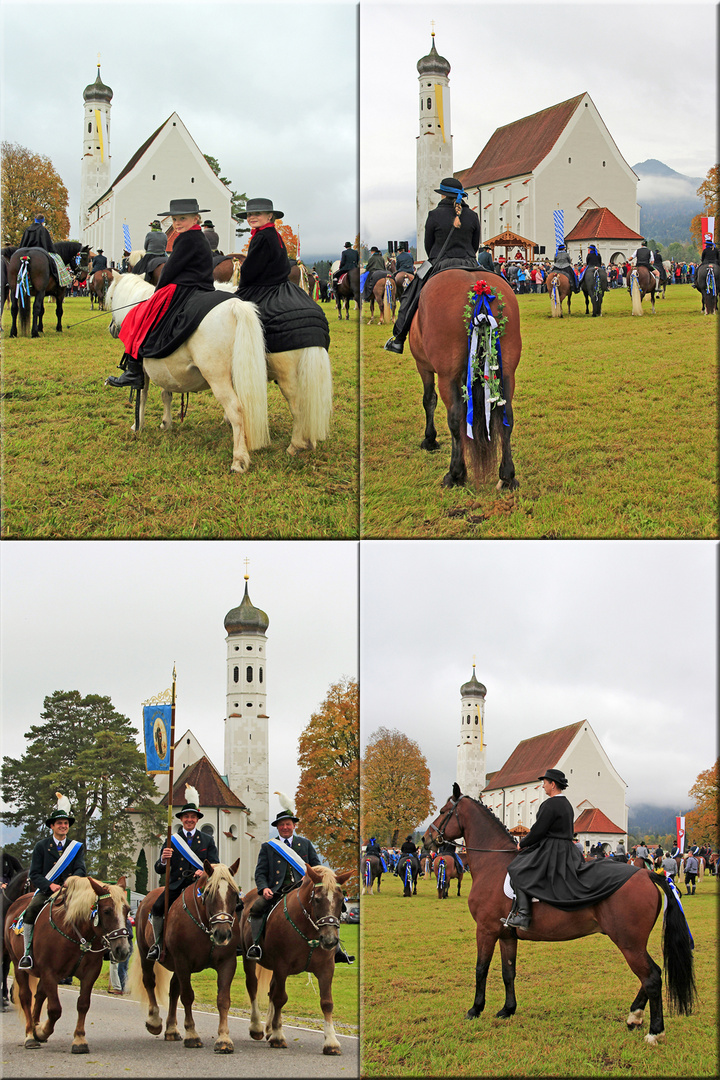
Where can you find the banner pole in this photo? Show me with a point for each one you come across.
(170, 809)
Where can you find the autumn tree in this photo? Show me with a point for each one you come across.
(31, 186)
(396, 794)
(86, 750)
(709, 193)
(328, 796)
(701, 823)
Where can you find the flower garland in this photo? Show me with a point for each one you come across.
(484, 353)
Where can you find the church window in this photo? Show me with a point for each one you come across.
(421, 105)
(248, 648)
(236, 674)
(208, 829)
(249, 673)
(569, 161)
(249, 704)
(261, 674)
(89, 128)
(260, 649)
(476, 721)
(603, 164)
(192, 179)
(237, 648)
(429, 103)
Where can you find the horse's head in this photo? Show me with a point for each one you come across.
(321, 898)
(219, 897)
(446, 825)
(110, 917)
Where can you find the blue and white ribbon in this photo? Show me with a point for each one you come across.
(558, 218)
(289, 855)
(71, 850)
(676, 893)
(180, 844)
(483, 323)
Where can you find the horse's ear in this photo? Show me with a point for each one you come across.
(313, 874)
(98, 886)
(122, 882)
(456, 792)
(208, 867)
(116, 275)
(344, 876)
(234, 868)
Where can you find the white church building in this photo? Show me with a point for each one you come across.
(514, 793)
(168, 165)
(235, 804)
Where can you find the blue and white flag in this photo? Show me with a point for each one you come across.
(179, 842)
(291, 856)
(156, 725)
(558, 218)
(126, 237)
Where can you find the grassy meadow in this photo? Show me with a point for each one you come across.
(73, 469)
(418, 981)
(615, 431)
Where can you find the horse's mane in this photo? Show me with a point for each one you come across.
(329, 882)
(81, 898)
(220, 873)
(134, 287)
(491, 814)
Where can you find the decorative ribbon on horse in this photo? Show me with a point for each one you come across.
(484, 339)
(181, 845)
(676, 893)
(73, 846)
(23, 281)
(289, 855)
(680, 823)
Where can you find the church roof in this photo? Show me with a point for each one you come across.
(532, 757)
(473, 688)
(212, 789)
(600, 223)
(97, 91)
(433, 63)
(246, 617)
(519, 147)
(594, 821)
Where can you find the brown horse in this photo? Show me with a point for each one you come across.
(445, 869)
(98, 286)
(201, 931)
(71, 935)
(641, 282)
(402, 279)
(347, 289)
(301, 934)
(408, 869)
(559, 289)
(439, 342)
(32, 267)
(371, 871)
(384, 294)
(626, 917)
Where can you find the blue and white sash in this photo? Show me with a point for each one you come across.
(180, 844)
(289, 855)
(71, 850)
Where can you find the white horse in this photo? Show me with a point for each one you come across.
(225, 354)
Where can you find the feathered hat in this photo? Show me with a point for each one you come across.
(288, 809)
(61, 811)
(192, 802)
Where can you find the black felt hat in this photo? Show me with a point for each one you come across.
(555, 775)
(260, 206)
(284, 815)
(183, 206)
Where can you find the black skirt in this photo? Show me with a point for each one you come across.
(187, 309)
(290, 318)
(554, 871)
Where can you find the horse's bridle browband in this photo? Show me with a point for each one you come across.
(443, 840)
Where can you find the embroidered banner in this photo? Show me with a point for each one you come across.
(156, 724)
(680, 822)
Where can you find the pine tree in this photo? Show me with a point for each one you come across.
(87, 751)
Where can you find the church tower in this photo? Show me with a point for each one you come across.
(434, 144)
(471, 749)
(95, 169)
(246, 720)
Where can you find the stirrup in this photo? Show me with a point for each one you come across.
(153, 952)
(25, 962)
(254, 952)
(392, 345)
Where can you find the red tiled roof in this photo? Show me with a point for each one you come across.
(532, 757)
(601, 224)
(211, 788)
(519, 147)
(594, 821)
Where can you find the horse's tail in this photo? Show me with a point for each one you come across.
(136, 986)
(314, 394)
(555, 303)
(480, 450)
(388, 314)
(249, 374)
(264, 978)
(677, 952)
(441, 874)
(710, 291)
(635, 293)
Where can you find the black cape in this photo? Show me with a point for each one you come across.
(189, 268)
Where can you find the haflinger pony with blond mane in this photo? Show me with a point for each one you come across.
(559, 289)
(201, 931)
(626, 916)
(226, 354)
(301, 934)
(73, 931)
(641, 282)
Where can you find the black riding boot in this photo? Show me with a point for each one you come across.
(406, 312)
(133, 374)
(519, 916)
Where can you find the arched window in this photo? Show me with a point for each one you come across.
(249, 673)
(208, 830)
(261, 674)
(236, 674)
(429, 103)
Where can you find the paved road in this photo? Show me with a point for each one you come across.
(121, 1047)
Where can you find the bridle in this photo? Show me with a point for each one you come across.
(85, 945)
(324, 920)
(442, 839)
(219, 918)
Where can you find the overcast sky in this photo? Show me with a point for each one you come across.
(621, 634)
(110, 618)
(269, 89)
(644, 65)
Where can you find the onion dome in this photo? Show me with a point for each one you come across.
(246, 618)
(98, 91)
(473, 688)
(433, 63)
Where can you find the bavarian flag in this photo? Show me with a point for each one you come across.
(156, 723)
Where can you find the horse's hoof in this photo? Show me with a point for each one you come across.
(193, 1043)
(472, 1014)
(154, 1029)
(172, 1036)
(79, 1048)
(504, 1013)
(31, 1044)
(430, 446)
(225, 1047)
(331, 1051)
(257, 1035)
(653, 1040)
(278, 1044)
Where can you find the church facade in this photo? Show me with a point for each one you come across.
(168, 165)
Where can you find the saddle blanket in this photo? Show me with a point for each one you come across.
(509, 891)
(61, 271)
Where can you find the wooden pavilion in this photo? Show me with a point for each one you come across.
(511, 242)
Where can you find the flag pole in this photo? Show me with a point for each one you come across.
(170, 808)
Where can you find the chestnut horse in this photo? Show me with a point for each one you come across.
(559, 289)
(384, 294)
(98, 286)
(371, 871)
(73, 931)
(408, 869)
(641, 282)
(627, 917)
(347, 289)
(445, 869)
(403, 278)
(439, 342)
(201, 931)
(301, 934)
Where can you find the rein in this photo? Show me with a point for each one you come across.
(85, 945)
(444, 840)
(218, 919)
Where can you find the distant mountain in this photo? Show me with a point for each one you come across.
(657, 820)
(668, 202)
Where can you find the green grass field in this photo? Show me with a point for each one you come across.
(73, 469)
(418, 981)
(615, 431)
